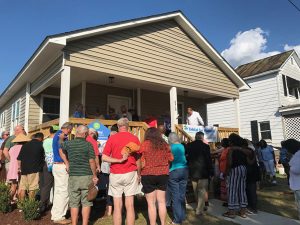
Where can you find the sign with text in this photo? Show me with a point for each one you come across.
(210, 132)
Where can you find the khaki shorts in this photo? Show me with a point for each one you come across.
(78, 191)
(126, 183)
(29, 182)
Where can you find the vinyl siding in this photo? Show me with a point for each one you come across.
(223, 113)
(159, 53)
(293, 71)
(261, 103)
(34, 111)
(20, 95)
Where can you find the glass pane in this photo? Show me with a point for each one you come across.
(48, 117)
(17, 109)
(51, 105)
(264, 126)
(266, 135)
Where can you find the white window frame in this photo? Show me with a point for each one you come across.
(265, 121)
(42, 105)
(15, 114)
(3, 121)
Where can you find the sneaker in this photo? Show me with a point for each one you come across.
(189, 207)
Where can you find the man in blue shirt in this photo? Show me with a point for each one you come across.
(61, 176)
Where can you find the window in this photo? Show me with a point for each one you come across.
(50, 108)
(254, 131)
(15, 112)
(290, 86)
(265, 130)
(2, 120)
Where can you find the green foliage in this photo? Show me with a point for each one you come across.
(4, 198)
(30, 209)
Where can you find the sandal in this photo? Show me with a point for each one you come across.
(229, 214)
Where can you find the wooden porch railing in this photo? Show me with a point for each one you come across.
(136, 128)
(184, 136)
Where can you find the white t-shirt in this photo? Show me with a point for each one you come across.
(195, 119)
(295, 171)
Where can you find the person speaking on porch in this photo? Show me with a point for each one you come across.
(193, 118)
(125, 113)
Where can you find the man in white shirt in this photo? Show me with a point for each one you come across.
(194, 118)
(125, 113)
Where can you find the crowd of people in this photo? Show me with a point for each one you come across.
(161, 164)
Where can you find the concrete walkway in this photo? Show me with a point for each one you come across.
(262, 218)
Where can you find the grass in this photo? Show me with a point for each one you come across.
(278, 199)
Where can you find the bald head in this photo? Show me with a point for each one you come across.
(82, 131)
(18, 130)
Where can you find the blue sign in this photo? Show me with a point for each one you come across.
(103, 131)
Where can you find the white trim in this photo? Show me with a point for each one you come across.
(27, 106)
(173, 108)
(262, 74)
(291, 55)
(65, 82)
(42, 104)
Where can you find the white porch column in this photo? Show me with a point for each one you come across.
(64, 95)
(26, 123)
(83, 95)
(173, 108)
(138, 102)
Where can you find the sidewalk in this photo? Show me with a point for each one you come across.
(262, 218)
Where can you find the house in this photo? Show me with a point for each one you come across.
(271, 108)
(156, 65)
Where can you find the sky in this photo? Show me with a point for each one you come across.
(241, 31)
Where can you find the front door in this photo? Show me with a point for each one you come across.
(115, 102)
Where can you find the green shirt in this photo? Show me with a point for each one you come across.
(9, 142)
(79, 152)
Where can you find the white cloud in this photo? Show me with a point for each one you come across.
(290, 47)
(247, 46)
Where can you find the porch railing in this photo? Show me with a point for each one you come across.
(136, 128)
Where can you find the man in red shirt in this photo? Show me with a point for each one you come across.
(92, 138)
(124, 176)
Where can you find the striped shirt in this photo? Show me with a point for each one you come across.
(79, 152)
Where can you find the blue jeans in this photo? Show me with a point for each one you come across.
(177, 189)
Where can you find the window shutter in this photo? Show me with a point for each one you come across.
(254, 131)
(284, 85)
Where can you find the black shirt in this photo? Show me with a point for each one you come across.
(199, 160)
(32, 157)
(238, 158)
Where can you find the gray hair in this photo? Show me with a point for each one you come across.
(67, 125)
(173, 138)
(92, 130)
(81, 130)
(123, 122)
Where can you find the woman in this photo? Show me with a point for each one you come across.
(284, 160)
(178, 178)
(156, 158)
(236, 170)
(222, 167)
(268, 158)
(13, 173)
(293, 147)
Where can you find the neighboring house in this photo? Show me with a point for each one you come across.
(157, 65)
(271, 108)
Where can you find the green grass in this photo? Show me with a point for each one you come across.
(278, 199)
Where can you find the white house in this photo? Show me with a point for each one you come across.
(271, 108)
(155, 65)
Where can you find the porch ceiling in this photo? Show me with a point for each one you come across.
(78, 75)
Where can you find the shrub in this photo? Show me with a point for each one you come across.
(5, 206)
(30, 209)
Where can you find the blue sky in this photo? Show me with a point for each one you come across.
(265, 27)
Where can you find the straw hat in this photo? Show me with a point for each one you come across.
(21, 138)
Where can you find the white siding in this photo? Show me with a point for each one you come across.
(293, 71)
(223, 113)
(261, 103)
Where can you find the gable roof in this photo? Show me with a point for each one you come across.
(263, 65)
(53, 45)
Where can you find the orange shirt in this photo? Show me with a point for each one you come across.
(223, 160)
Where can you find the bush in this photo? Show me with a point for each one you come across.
(5, 206)
(30, 209)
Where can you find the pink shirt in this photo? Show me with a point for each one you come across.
(13, 164)
(94, 144)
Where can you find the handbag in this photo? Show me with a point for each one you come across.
(92, 192)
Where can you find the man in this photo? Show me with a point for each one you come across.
(162, 130)
(31, 160)
(46, 177)
(4, 137)
(194, 118)
(81, 166)
(124, 177)
(125, 113)
(92, 138)
(201, 169)
(8, 144)
(60, 174)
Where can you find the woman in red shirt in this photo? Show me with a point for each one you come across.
(223, 169)
(156, 157)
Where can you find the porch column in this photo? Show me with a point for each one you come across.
(26, 124)
(83, 94)
(138, 102)
(173, 108)
(64, 95)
